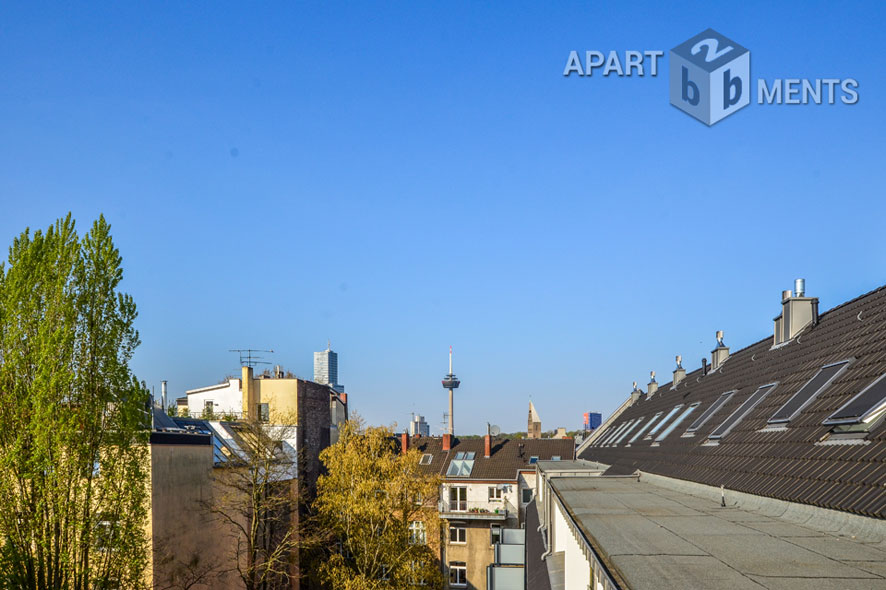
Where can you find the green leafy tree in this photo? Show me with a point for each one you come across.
(73, 452)
(376, 515)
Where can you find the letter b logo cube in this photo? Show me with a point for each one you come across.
(710, 76)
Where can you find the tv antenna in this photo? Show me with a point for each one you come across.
(248, 358)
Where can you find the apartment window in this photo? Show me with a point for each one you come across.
(415, 575)
(458, 499)
(494, 534)
(808, 392)
(426, 459)
(742, 411)
(208, 408)
(527, 495)
(458, 533)
(417, 533)
(495, 494)
(712, 409)
(676, 422)
(661, 422)
(385, 574)
(263, 412)
(642, 430)
(458, 573)
(864, 410)
(104, 534)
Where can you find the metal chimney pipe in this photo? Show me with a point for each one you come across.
(163, 395)
(800, 287)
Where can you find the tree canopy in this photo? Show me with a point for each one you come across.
(376, 512)
(73, 452)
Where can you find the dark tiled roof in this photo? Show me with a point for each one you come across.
(785, 464)
(508, 455)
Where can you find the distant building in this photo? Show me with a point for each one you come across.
(592, 420)
(418, 426)
(326, 369)
(533, 430)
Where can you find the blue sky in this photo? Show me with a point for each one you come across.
(399, 177)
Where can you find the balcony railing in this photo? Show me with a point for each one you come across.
(478, 510)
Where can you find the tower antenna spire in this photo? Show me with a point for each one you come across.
(451, 382)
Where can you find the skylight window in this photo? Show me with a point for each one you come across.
(616, 432)
(461, 466)
(533, 460)
(705, 416)
(864, 408)
(742, 411)
(426, 459)
(612, 434)
(808, 392)
(667, 417)
(676, 422)
(628, 431)
(642, 430)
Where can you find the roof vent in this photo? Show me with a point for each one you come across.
(797, 312)
(719, 354)
(653, 384)
(679, 372)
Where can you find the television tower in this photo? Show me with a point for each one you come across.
(450, 382)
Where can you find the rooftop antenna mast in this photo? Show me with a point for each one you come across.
(450, 382)
(248, 358)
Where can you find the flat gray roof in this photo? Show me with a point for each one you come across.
(647, 534)
(571, 465)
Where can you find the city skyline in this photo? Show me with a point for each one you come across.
(403, 178)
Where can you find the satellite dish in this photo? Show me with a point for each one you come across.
(494, 430)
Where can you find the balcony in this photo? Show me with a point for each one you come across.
(465, 510)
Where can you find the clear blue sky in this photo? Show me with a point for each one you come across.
(400, 177)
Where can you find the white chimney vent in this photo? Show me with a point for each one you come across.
(679, 372)
(719, 354)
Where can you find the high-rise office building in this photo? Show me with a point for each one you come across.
(326, 369)
(418, 426)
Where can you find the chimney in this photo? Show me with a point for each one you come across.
(719, 354)
(679, 372)
(404, 442)
(797, 312)
(163, 395)
(248, 390)
(278, 371)
(447, 441)
(487, 448)
(636, 393)
(652, 387)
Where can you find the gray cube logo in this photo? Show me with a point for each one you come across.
(710, 76)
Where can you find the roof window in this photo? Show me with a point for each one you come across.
(667, 417)
(642, 430)
(808, 392)
(705, 416)
(742, 411)
(676, 422)
(866, 408)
